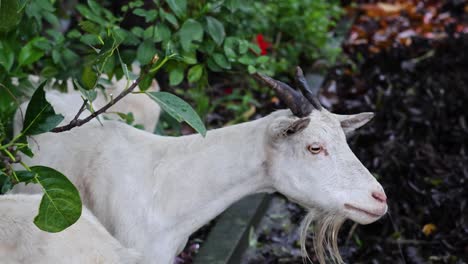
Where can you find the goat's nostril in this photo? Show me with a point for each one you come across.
(380, 196)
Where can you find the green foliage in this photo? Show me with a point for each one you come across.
(8, 14)
(298, 30)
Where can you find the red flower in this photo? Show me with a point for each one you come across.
(263, 44)
(227, 90)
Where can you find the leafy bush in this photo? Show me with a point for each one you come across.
(298, 31)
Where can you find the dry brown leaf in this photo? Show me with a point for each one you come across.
(428, 229)
(391, 8)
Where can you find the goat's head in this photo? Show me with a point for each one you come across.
(311, 163)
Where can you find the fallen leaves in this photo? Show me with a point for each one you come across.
(385, 25)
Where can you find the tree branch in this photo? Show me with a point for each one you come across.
(82, 108)
(79, 122)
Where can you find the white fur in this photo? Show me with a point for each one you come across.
(87, 241)
(151, 192)
(145, 111)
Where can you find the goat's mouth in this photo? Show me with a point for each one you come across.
(372, 214)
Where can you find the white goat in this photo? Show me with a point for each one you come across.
(87, 241)
(151, 192)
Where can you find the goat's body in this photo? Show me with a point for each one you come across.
(87, 241)
(165, 188)
(145, 111)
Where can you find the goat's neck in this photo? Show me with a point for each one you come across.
(207, 175)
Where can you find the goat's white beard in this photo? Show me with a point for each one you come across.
(327, 226)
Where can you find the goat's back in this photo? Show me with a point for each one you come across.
(145, 111)
(87, 241)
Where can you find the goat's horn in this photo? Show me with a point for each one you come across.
(302, 82)
(293, 99)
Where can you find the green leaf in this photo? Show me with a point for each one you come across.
(7, 56)
(125, 37)
(169, 17)
(29, 53)
(52, 19)
(25, 176)
(42, 44)
(255, 48)
(138, 31)
(176, 76)
(233, 5)
(189, 58)
(148, 32)
(40, 116)
(61, 204)
(195, 73)
(243, 46)
(9, 15)
(190, 31)
(161, 33)
(89, 27)
(90, 40)
(49, 72)
(137, 3)
(145, 83)
(251, 69)
(139, 12)
(95, 7)
(89, 78)
(247, 60)
(179, 7)
(74, 33)
(213, 66)
(215, 29)
(5, 183)
(25, 149)
(149, 15)
(229, 47)
(178, 109)
(106, 51)
(221, 60)
(145, 52)
(84, 10)
(262, 59)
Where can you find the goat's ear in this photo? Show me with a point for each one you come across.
(289, 126)
(349, 123)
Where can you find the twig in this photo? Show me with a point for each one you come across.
(79, 122)
(85, 101)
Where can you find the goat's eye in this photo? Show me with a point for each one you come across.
(314, 149)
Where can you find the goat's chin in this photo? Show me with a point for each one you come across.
(364, 217)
